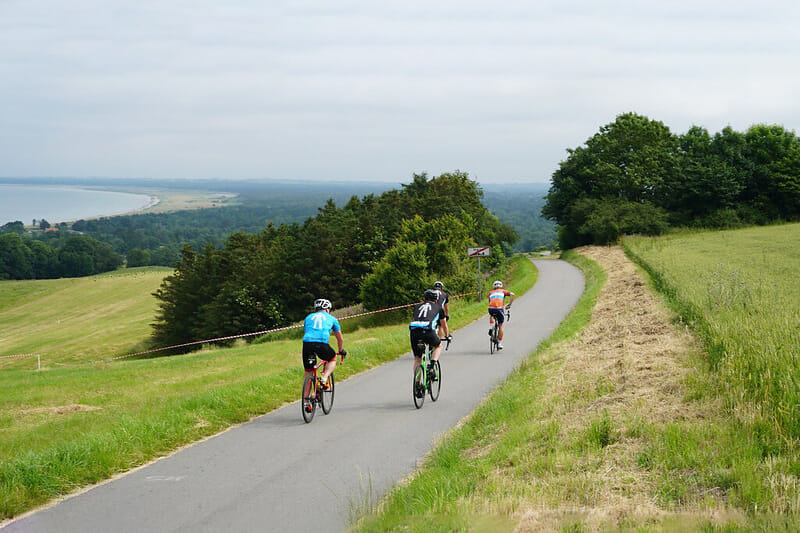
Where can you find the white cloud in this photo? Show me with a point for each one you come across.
(373, 90)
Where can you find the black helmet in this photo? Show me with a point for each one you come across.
(431, 295)
(322, 303)
(438, 285)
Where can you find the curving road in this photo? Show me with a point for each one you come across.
(276, 473)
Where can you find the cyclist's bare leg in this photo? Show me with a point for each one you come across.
(500, 333)
(436, 352)
(417, 362)
(327, 370)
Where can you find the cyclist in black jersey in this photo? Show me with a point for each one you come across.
(444, 301)
(423, 327)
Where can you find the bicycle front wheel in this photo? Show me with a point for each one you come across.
(418, 386)
(308, 404)
(435, 383)
(327, 396)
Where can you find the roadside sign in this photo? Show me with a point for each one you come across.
(480, 251)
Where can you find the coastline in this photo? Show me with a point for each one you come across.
(149, 200)
(152, 202)
(52, 207)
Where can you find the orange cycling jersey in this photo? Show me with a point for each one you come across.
(497, 298)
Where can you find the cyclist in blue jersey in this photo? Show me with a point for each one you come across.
(316, 341)
(423, 327)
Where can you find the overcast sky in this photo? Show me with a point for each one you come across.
(373, 90)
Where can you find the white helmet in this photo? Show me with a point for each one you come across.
(322, 304)
(497, 284)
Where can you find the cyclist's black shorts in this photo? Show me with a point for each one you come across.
(498, 313)
(312, 350)
(426, 336)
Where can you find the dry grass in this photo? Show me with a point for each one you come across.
(628, 367)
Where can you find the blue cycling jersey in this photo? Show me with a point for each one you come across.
(319, 325)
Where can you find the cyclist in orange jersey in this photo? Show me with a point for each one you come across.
(497, 303)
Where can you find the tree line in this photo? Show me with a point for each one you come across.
(157, 238)
(635, 176)
(56, 254)
(380, 250)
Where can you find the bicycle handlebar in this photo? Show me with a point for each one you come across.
(449, 339)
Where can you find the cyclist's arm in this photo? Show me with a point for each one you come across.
(339, 339)
(511, 297)
(445, 328)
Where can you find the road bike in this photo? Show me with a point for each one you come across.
(313, 394)
(494, 333)
(428, 375)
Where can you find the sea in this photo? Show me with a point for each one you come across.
(27, 203)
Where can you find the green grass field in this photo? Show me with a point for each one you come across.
(740, 290)
(78, 319)
(67, 427)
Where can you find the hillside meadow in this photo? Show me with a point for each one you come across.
(73, 320)
(70, 426)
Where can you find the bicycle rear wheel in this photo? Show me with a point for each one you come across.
(493, 340)
(435, 384)
(308, 395)
(418, 387)
(327, 396)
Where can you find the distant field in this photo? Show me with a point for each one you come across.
(178, 200)
(78, 319)
(742, 291)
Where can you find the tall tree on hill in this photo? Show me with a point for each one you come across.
(15, 257)
(774, 187)
(256, 282)
(706, 181)
(624, 166)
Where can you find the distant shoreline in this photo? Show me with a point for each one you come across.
(154, 201)
(67, 204)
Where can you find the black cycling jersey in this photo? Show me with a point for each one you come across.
(444, 297)
(425, 315)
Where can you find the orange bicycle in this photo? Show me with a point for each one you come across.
(313, 394)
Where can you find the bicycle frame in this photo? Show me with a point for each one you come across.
(494, 339)
(426, 363)
(313, 393)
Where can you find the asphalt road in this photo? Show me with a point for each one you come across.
(276, 473)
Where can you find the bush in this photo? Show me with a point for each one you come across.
(605, 221)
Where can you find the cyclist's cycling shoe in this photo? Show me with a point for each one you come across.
(431, 375)
(490, 332)
(307, 406)
(499, 345)
(324, 385)
(420, 391)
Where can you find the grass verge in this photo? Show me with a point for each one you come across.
(65, 428)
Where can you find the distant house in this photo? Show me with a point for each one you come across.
(50, 229)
